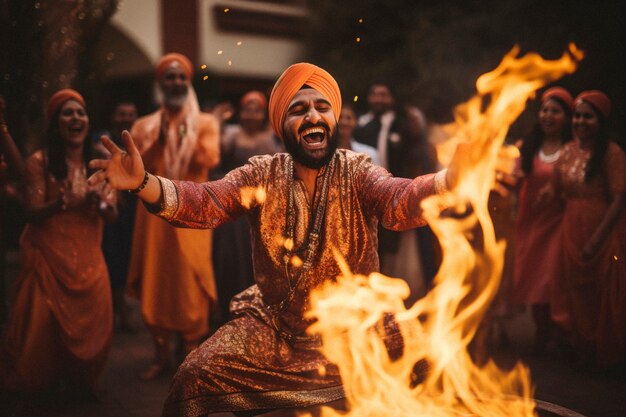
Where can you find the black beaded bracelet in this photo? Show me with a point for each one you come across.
(142, 185)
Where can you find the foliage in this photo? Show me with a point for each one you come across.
(434, 51)
(45, 46)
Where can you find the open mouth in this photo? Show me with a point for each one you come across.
(314, 137)
(75, 129)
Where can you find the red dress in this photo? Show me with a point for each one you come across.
(596, 288)
(537, 239)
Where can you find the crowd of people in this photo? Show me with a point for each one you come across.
(569, 229)
(232, 299)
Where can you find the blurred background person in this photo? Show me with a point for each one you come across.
(232, 253)
(11, 162)
(538, 226)
(117, 236)
(122, 118)
(252, 136)
(591, 177)
(381, 127)
(346, 127)
(399, 134)
(60, 326)
(421, 159)
(170, 271)
(12, 171)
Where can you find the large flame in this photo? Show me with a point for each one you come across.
(438, 328)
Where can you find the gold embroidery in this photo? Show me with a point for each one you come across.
(170, 198)
(440, 182)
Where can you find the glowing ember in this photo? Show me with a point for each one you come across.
(358, 39)
(435, 375)
(250, 195)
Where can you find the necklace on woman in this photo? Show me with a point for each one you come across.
(549, 158)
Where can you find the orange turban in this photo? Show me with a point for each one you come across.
(253, 96)
(60, 97)
(291, 81)
(598, 100)
(166, 61)
(560, 93)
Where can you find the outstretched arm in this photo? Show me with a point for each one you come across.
(125, 171)
(181, 203)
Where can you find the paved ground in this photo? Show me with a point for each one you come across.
(123, 395)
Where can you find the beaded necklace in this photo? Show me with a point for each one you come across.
(311, 241)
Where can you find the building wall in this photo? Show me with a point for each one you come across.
(140, 21)
(257, 55)
(245, 53)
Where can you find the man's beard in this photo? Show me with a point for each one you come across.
(300, 155)
(176, 99)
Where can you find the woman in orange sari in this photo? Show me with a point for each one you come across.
(60, 327)
(591, 176)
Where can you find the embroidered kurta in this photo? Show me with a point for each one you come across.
(264, 359)
(537, 239)
(232, 253)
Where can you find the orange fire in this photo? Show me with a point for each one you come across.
(437, 329)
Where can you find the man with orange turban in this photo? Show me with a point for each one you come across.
(170, 269)
(317, 198)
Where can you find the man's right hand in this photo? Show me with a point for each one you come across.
(125, 169)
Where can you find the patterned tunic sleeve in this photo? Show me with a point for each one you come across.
(615, 168)
(394, 201)
(210, 204)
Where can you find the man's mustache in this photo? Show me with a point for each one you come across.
(310, 125)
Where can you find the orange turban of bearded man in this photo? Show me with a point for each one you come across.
(166, 61)
(291, 81)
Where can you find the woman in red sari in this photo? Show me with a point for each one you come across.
(591, 176)
(60, 327)
(538, 226)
